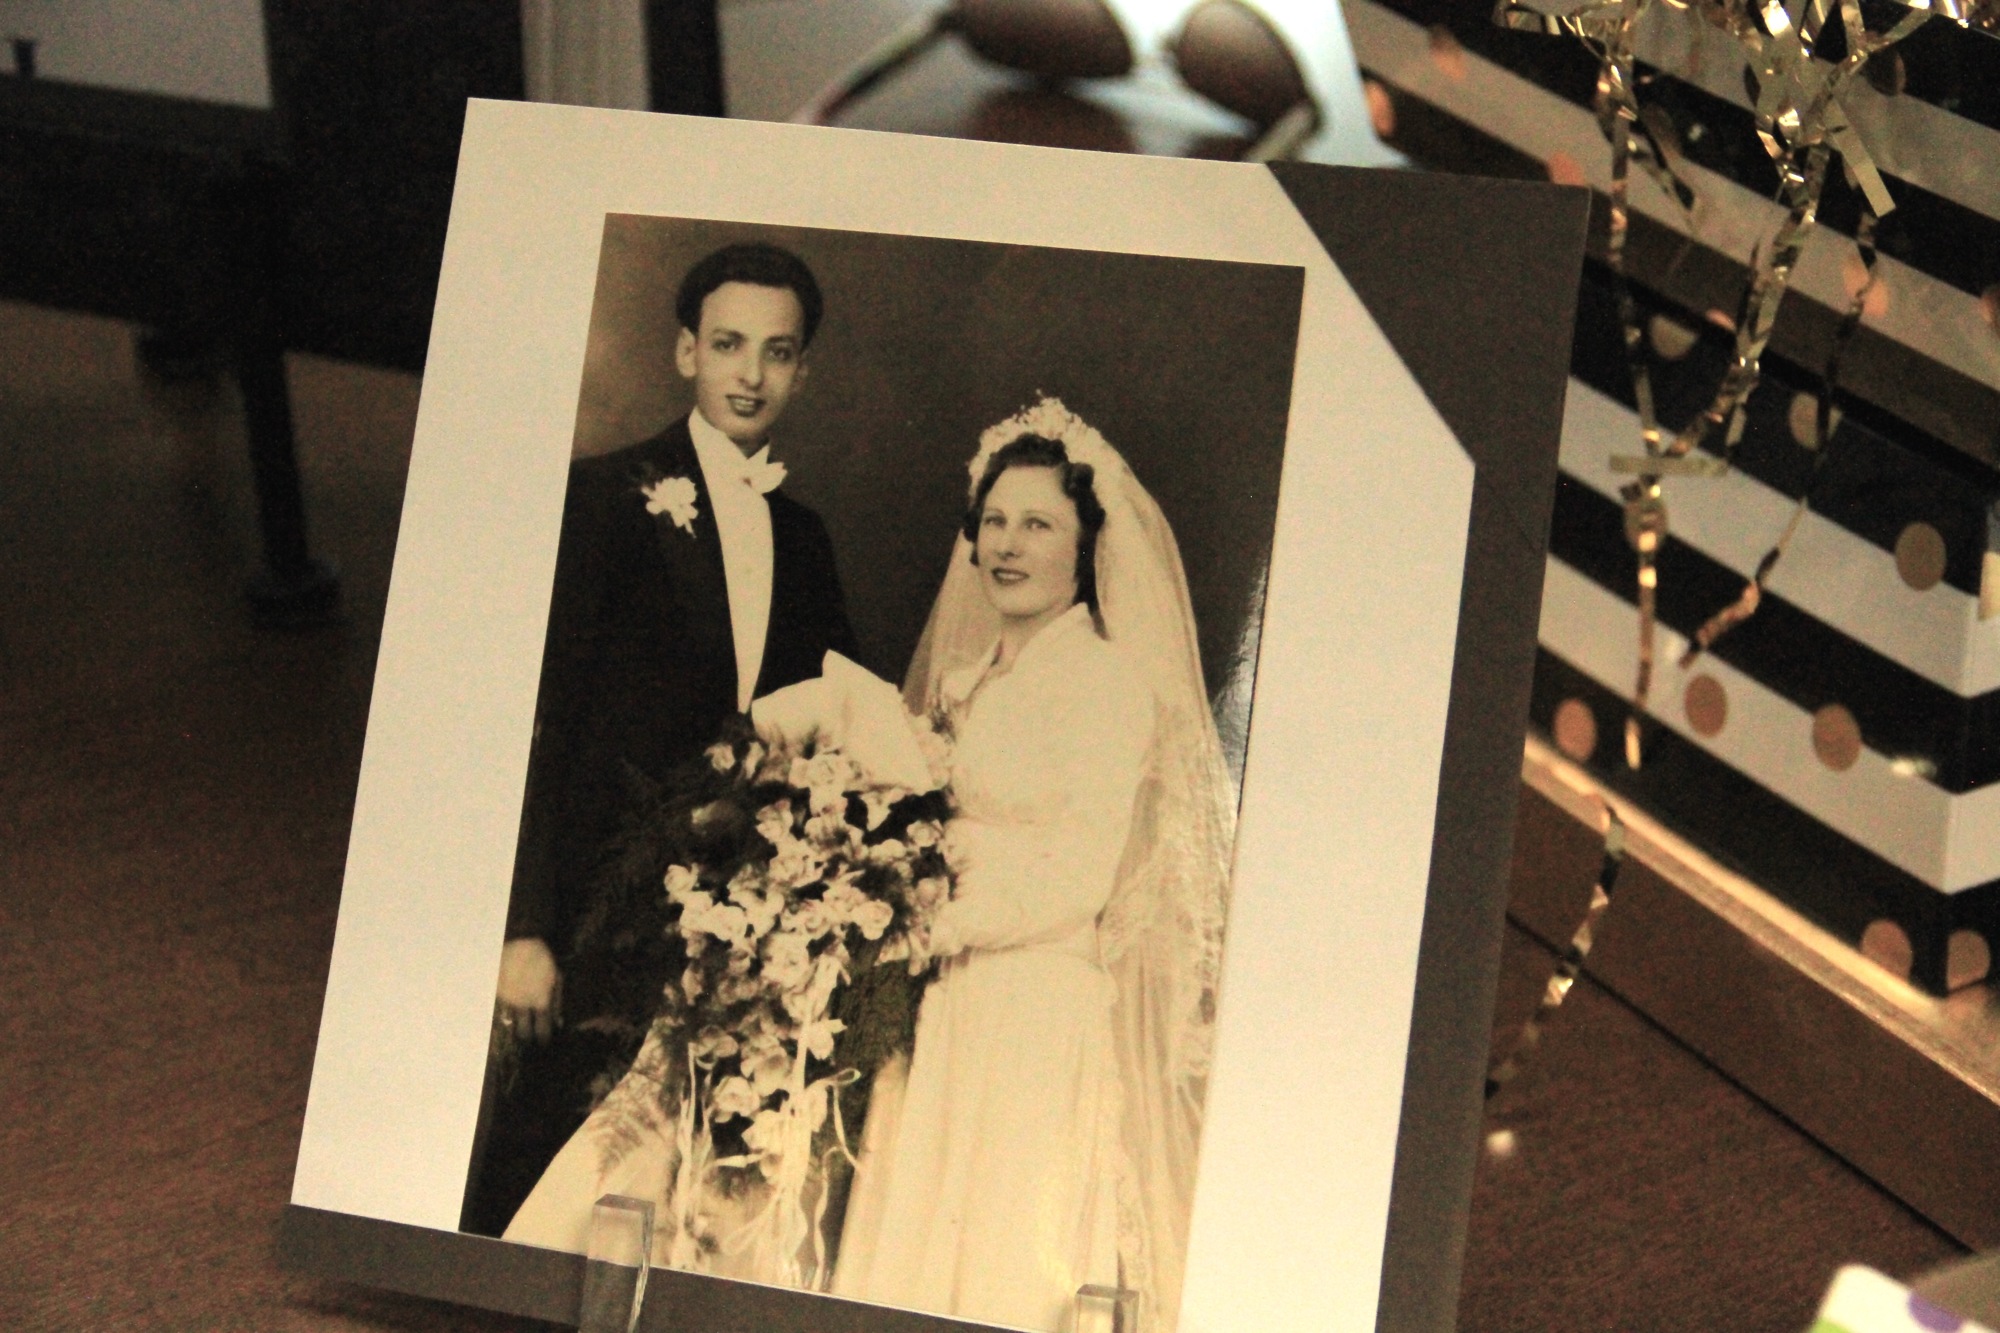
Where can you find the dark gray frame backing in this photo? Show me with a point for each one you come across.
(1474, 283)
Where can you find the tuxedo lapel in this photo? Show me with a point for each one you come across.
(806, 613)
(696, 585)
(780, 646)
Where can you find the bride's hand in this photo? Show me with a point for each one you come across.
(530, 992)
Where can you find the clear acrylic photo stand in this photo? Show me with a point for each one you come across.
(615, 1265)
(621, 1248)
(1105, 1310)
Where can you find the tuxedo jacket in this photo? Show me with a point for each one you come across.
(639, 668)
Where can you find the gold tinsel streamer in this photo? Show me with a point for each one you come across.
(1746, 603)
(1570, 965)
(1801, 120)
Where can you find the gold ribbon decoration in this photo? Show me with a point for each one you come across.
(1570, 965)
(1801, 120)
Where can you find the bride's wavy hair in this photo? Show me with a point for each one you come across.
(1078, 483)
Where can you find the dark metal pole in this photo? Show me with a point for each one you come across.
(684, 57)
(293, 588)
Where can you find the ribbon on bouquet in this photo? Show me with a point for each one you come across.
(692, 1145)
(784, 1224)
(783, 1221)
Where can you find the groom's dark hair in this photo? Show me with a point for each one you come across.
(758, 264)
(1078, 483)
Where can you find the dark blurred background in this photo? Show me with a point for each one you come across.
(214, 307)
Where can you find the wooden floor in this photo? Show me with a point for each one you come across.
(175, 791)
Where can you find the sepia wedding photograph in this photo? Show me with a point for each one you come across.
(906, 743)
(867, 912)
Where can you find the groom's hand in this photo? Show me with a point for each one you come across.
(530, 990)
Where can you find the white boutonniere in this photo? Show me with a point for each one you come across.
(674, 497)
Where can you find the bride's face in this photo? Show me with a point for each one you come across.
(1028, 535)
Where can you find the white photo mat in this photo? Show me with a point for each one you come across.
(1333, 850)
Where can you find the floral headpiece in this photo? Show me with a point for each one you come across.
(1049, 419)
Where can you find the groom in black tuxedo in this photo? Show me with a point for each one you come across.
(686, 585)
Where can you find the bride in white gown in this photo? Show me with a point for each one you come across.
(1046, 1138)
(1042, 1136)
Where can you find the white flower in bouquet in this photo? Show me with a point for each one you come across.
(827, 777)
(878, 801)
(888, 852)
(830, 831)
(765, 1062)
(712, 1044)
(810, 918)
(727, 922)
(874, 917)
(788, 962)
(697, 923)
(721, 756)
(760, 903)
(832, 768)
(681, 882)
(796, 866)
(738, 987)
(733, 1097)
(844, 898)
(774, 822)
(819, 1036)
(925, 833)
(798, 1005)
(931, 893)
(766, 1135)
(807, 1004)
(692, 984)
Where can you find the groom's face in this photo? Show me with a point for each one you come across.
(745, 360)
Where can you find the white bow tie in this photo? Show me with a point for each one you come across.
(759, 473)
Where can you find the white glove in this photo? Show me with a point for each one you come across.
(853, 709)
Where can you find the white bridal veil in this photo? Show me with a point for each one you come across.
(1161, 932)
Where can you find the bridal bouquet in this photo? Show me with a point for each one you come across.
(760, 893)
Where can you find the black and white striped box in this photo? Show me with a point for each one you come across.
(1841, 747)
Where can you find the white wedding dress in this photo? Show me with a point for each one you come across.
(987, 1185)
(1044, 1134)
(990, 1192)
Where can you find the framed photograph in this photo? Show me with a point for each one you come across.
(947, 719)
